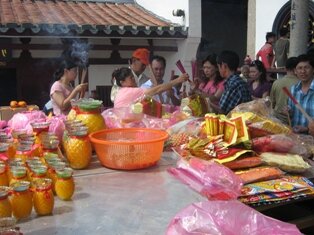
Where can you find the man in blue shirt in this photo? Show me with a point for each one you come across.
(303, 92)
(236, 89)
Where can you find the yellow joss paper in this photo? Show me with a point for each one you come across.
(215, 122)
(209, 124)
(221, 128)
(242, 130)
(230, 133)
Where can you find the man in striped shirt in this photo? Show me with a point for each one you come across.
(303, 92)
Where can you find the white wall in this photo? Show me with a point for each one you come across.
(164, 8)
(266, 11)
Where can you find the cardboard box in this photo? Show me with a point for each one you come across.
(6, 112)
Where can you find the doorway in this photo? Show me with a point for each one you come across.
(8, 88)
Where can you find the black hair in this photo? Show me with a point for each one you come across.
(283, 32)
(159, 59)
(212, 59)
(261, 68)
(65, 64)
(270, 35)
(291, 63)
(230, 58)
(306, 58)
(121, 74)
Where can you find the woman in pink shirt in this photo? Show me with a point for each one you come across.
(129, 92)
(62, 92)
(213, 84)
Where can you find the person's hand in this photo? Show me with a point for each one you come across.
(311, 128)
(170, 93)
(184, 77)
(300, 129)
(81, 87)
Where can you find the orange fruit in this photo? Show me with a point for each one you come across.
(22, 104)
(13, 104)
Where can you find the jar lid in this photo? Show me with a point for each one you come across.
(4, 191)
(18, 171)
(4, 147)
(64, 173)
(42, 183)
(40, 125)
(7, 223)
(39, 169)
(20, 186)
(17, 132)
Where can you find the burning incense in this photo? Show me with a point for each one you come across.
(296, 103)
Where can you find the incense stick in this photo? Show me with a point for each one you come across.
(84, 72)
(297, 105)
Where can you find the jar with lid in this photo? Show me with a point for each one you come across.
(21, 199)
(5, 206)
(65, 184)
(18, 173)
(43, 196)
(78, 148)
(23, 152)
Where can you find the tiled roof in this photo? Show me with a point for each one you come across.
(92, 17)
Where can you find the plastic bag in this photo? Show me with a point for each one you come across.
(280, 143)
(226, 218)
(210, 179)
(57, 125)
(258, 106)
(124, 118)
(22, 120)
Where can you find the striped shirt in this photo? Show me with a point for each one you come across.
(236, 92)
(305, 100)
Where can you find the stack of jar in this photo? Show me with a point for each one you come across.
(28, 181)
(76, 144)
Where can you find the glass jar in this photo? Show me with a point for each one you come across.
(4, 181)
(50, 144)
(38, 172)
(21, 200)
(39, 129)
(18, 173)
(4, 151)
(43, 196)
(12, 146)
(65, 184)
(23, 152)
(78, 148)
(5, 206)
(52, 174)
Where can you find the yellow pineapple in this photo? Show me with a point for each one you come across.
(5, 206)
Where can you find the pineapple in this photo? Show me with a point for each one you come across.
(176, 140)
(93, 121)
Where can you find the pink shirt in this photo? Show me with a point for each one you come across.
(211, 89)
(58, 86)
(127, 96)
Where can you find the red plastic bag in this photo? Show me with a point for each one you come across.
(226, 218)
(280, 143)
(210, 179)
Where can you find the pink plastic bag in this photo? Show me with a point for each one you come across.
(22, 120)
(57, 125)
(210, 179)
(226, 218)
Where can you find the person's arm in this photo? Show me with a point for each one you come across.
(174, 100)
(65, 102)
(273, 65)
(265, 94)
(311, 128)
(166, 86)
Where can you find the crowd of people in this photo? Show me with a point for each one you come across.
(222, 82)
